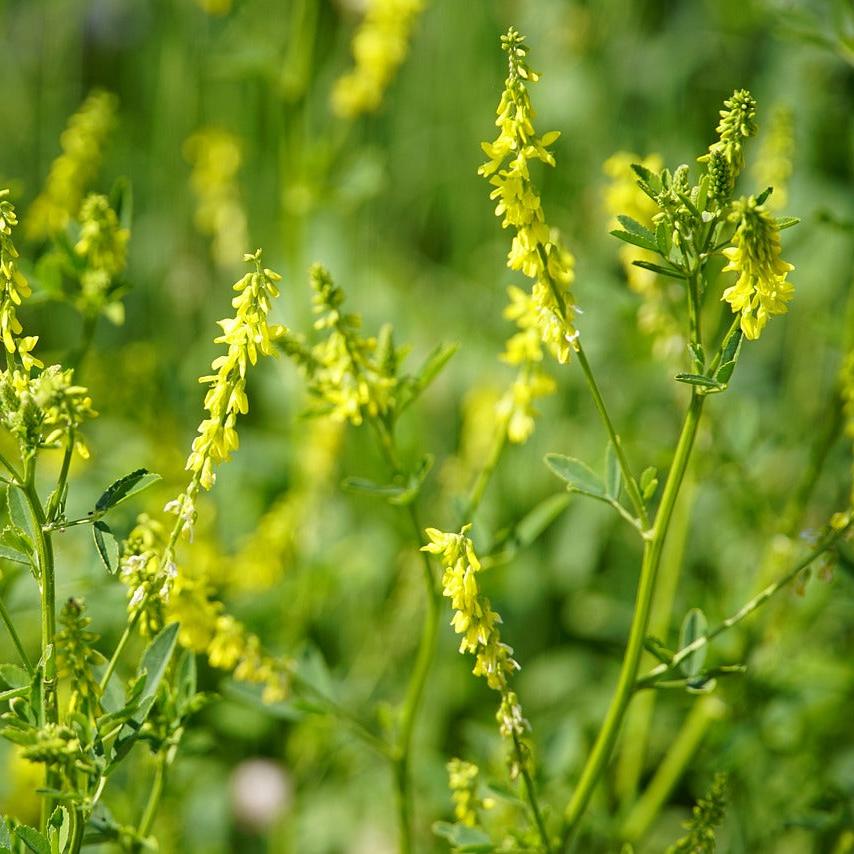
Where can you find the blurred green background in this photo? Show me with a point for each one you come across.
(392, 204)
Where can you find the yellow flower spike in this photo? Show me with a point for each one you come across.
(82, 142)
(246, 334)
(475, 620)
(379, 48)
(761, 290)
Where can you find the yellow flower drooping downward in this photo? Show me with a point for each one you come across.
(379, 48)
(82, 149)
(761, 290)
(477, 624)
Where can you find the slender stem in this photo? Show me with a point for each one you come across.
(117, 652)
(499, 442)
(47, 590)
(757, 601)
(11, 469)
(7, 619)
(628, 477)
(154, 797)
(610, 729)
(684, 746)
(531, 794)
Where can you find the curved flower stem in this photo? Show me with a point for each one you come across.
(13, 633)
(154, 797)
(628, 478)
(11, 469)
(605, 740)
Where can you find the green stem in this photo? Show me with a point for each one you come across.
(47, 591)
(531, 794)
(154, 797)
(485, 474)
(757, 601)
(628, 478)
(14, 692)
(602, 748)
(667, 775)
(7, 619)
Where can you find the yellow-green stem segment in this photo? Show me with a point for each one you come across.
(605, 740)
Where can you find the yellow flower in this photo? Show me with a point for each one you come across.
(761, 290)
(379, 48)
(475, 620)
(247, 334)
(462, 781)
(536, 250)
(82, 143)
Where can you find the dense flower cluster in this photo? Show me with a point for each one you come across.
(705, 817)
(216, 157)
(102, 246)
(725, 157)
(82, 149)
(77, 656)
(761, 290)
(247, 334)
(477, 623)
(46, 410)
(352, 376)
(379, 48)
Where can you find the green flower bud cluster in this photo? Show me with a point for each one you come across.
(463, 783)
(352, 376)
(102, 246)
(706, 816)
(82, 144)
(726, 155)
(77, 657)
(44, 410)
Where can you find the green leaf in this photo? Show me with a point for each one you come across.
(698, 354)
(763, 196)
(124, 488)
(786, 222)
(657, 268)
(156, 658)
(634, 227)
(698, 380)
(363, 486)
(463, 838)
(416, 481)
(32, 839)
(13, 544)
(613, 472)
(694, 626)
(14, 676)
(429, 370)
(636, 239)
(578, 476)
(185, 680)
(18, 516)
(107, 545)
(59, 827)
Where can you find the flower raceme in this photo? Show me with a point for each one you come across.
(761, 290)
(477, 623)
(247, 334)
(725, 157)
(537, 250)
(379, 48)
